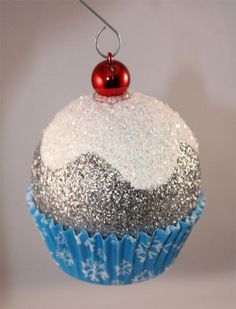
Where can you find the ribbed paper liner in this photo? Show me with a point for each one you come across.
(108, 260)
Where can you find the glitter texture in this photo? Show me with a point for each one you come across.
(139, 136)
(91, 194)
(118, 166)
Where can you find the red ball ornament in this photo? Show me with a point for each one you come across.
(110, 78)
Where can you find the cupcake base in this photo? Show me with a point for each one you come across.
(108, 260)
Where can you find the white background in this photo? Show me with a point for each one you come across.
(182, 52)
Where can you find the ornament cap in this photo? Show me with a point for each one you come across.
(110, 77)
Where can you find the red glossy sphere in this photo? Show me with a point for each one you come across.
(110, 78)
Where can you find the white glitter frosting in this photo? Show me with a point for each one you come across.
(139, 137)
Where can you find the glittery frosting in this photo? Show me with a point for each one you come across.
(139, 136)
(117, 168)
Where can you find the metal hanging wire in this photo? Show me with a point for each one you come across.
(107, 25)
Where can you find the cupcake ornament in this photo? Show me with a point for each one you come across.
(115, 181)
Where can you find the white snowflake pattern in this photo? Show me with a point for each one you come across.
(117, 282)
(159, 246)
(151, 250)
(141, 251)
(94, 270)
(101, 255)
(60, 239)
(64, 255)
(90, 243)
(124, 269)
(144, 275)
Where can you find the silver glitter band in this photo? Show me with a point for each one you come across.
(90, 194)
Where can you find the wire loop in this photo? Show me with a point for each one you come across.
(101, 30)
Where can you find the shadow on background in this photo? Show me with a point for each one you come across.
(213, 249)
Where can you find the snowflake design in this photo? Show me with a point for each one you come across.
(64, 255)
(117, 282)
(124, 269)
(101, 255)
(90, 243)
(159, 246)
(62, 251)
(94, 270)
(60, 239)
(144, 275)
(151, 250)
(141, 251)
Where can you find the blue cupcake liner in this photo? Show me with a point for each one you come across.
(108, 260)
